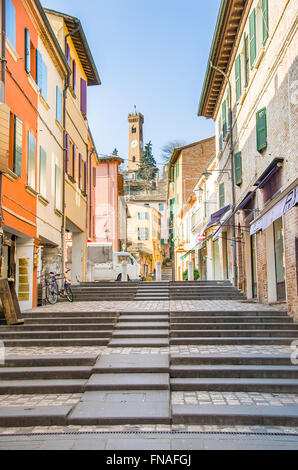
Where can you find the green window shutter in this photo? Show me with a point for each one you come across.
(221, 195)
(246, 60)
(139, 234)
(27, 51)
(146, 216)
(177, 200)
(252, 37)
(58, 105)
(31, 160)
(42, 172)
(238, 77)
(172, 174)
(224, 118)
(58, 198)
(238, 168)
(265, 20)
(261, 130)
(18, 146)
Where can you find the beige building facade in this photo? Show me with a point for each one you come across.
(259, 57)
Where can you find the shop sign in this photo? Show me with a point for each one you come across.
(24, 282)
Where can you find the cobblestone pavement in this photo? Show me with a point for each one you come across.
(40, 400)
(54, 351)
(233, 398)
(187, 350)
(173, 305)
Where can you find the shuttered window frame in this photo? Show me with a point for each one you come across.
(10, 19)
(261, 129)
(17, 146)
(265, 20)
(27, 51)
(31, 161)
(238, 77)
(252, 37)
(222, 195)
(238, 168)
(58, 189)
(43, 172)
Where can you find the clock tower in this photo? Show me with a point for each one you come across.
(136, 144)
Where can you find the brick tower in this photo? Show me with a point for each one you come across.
(136, 144)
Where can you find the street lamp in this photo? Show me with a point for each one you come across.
(232, 171)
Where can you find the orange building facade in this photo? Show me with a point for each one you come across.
(19, 204)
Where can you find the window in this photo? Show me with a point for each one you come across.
(134, 159)
(133, 130)
(178, 200)
(261, 130)
(74, 156)
(224, 119)
(143, 215)
(43, 172)
(74, 76)
(172, 174)
(265, 20)
(84, 97)
(143, 234)
(41, 75)
(31, 160)
(161, 207)
(177, 170)
(27, 51)
(221, 195)
(58, 105)
(238, 77)
(80, 171)
(252, 37)
(85, 177)
(67, 146)
(58, 198)
(18, 146)
(238, 168)
(220, 139)
(11, 23)
(246, 60)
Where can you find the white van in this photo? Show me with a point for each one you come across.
(107, 266)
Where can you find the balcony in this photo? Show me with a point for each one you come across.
(4, 137)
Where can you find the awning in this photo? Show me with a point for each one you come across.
(199, 246)
(215, 218)
(277, 211)
(274, 166)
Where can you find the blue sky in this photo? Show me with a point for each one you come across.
(152, 54)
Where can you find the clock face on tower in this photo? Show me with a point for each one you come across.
(134, 144)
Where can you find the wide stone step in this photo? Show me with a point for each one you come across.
(143, 325)
(233, 341)
(34, 416)
(228, 313)
(233, 333)
(233, 326)
(249, 415)
(230, 359)
(232, 319)
(104, 321)
(56, 334)
(45, 343)
(61, 327)
(143, 318)
(132, 363)
(66, 314)
(139, 342)
(235, 385)
(141, 333)
(132, 381)
(44, 373)
(123, 407)
(29, 387)
(233, 371)
(68, 360)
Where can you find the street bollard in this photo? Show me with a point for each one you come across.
(191, 276)
(124, 271)
(158, 270)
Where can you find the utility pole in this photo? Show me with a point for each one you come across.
(235, 265)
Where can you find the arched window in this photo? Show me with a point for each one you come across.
(134, 159)
(133, 130)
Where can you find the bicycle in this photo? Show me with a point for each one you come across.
(53, 291)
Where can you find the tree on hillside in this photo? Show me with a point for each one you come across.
(148, 168)
(168, 149)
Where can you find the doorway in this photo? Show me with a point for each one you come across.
(254, 282)
(279, 253)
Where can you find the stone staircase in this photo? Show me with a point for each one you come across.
(167, 274)
(138, 388)
(105, 291)
(204, 290)
(153, 291)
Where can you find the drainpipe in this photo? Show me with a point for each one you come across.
(235, 266)
(2, 100)
(66, 86)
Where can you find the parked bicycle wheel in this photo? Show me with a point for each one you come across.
(68, 293)
(52, 293)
